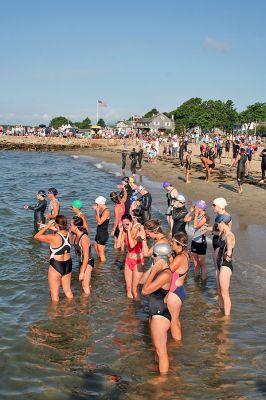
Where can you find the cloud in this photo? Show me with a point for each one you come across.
(214, 44)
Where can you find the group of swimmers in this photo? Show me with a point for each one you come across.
(139, 237)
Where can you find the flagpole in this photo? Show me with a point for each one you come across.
(97, 113)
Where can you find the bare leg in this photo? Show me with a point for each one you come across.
(87, 280)
(195, 261)
(54, 281)
(101, 250)
(136, 277)
(174, 305)
(96, 248)
(159, 328)
(128, 279)
(66, 284)
(224, 279)
(203, 268)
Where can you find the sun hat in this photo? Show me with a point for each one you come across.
(181, 198)
(100, 200)
(220, 202)
(226, 218)
(77, 204)
(166, 184)
(200, 204)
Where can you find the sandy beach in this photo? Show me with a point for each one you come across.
(250, 205)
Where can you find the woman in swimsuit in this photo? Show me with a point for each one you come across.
(177, 294)
(102, 214)
(157, 281)
(129, 235)
(77, 206)
(200, 220)
(82, 247)
(119, 211)
(59, 272)
(54, 206)
(171, 193)
(224, 260)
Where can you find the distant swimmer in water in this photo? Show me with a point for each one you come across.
(130, 235)
(59, 272)
(77, 206)
(157, 282)
(82, 247)
(102, 214)
(224, 260)
(54, 206)
(39, 210)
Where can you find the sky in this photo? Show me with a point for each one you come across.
(59, 57)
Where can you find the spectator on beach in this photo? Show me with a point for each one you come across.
(241, 168)
(188, 165)
(263, 165)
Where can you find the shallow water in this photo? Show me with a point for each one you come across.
(100, 347)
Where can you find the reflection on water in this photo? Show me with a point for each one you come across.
(100, 347)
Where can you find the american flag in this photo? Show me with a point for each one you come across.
(102, 103)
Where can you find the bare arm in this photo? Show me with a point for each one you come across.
(151, 285)
(105, 215)
(41, 237)
(197, 223)
(85, 245)
(230, 243)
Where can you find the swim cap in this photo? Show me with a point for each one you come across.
(201, 204)
(77, 204)
(210, 145)
(220, 202)
(162, 250)
(132, 179)
(125, 179)
(42, 193)
(100, 200)
(140, 188)
(181, 198)
(166, 184)
(53, 190)
(223, 218)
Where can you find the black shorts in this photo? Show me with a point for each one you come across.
(212, 166)
(199, 248)
(101, 238)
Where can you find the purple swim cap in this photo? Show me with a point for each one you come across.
(166, 184)
(201, 204)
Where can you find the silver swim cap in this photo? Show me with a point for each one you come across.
(162, 250)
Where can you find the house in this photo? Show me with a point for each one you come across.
(161, 123)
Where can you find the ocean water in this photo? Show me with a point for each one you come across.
(100, 348)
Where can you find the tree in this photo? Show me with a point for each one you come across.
(59, 121)
(187, 115)
(101, 123)
(150, 113)
(85, 124)
(254, 113)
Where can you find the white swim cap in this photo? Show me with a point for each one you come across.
(100, 200)
(220, 202)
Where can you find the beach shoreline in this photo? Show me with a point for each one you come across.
(249, 205)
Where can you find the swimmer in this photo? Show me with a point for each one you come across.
(54, 206)
(171, 193)
(130, 235)
(152, 230)
(82, 247)
(119, 211)
(179, 212)
(145, 202)
(188, 165)
(200, 220)
(39, 210)
(177, 294)
(77, 206)
(102, 214)
(241, 168)
(157, 281)
(59, 272)
(263, 165)
(224, 260)
(124, 161)
(218, 205)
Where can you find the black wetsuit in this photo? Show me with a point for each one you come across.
(236, 149)
(227, 146)
(134, 159)
(140, 156)
(145, 205)
(181, 153)
(211, 156)
(178, 215)
(124, 159)
(157, 306)
(188, 163)
(241, 168)
(263, 164)
(39, 210)
(129, 191)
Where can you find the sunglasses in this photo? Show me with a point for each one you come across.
(125, 224)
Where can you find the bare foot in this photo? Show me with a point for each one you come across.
(130, 295)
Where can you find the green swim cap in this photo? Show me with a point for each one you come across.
(77, 204)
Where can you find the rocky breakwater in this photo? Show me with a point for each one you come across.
(30, 143)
